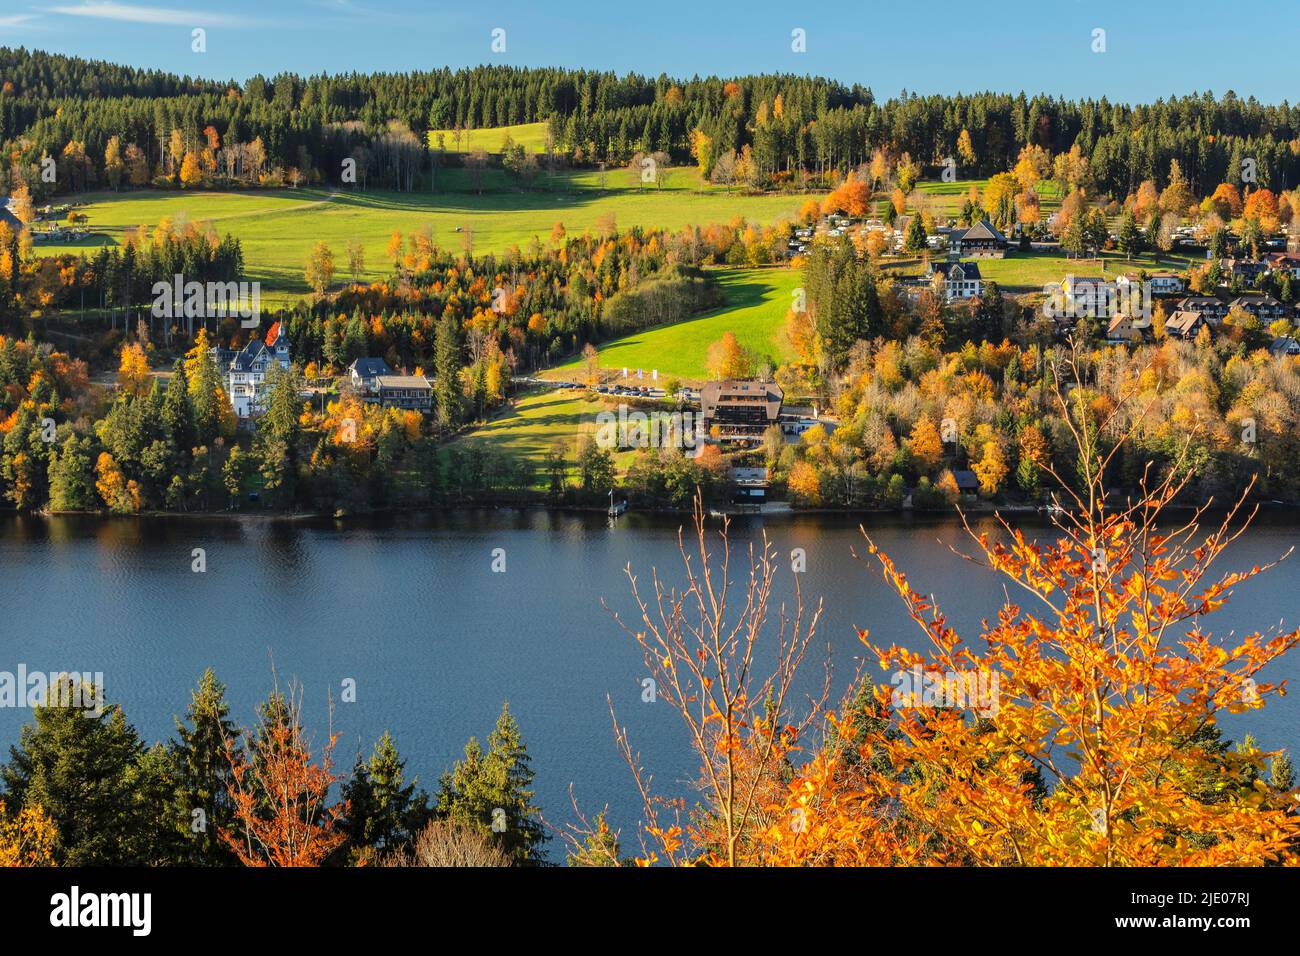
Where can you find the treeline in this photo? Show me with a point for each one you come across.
(786, 126)
(82, 788)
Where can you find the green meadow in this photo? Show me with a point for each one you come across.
(531, 136)
(278, 227)
(537, 422)
(757, 303)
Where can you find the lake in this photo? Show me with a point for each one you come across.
(410, 608)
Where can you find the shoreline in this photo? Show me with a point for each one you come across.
(978, 509)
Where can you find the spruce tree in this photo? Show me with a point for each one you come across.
(79, 768)
(384, 811)
(201, 755)
(177, 411)
(492, 792)
(446, 373)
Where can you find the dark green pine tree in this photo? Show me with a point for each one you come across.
(446, 373)
(81, 768)
(493, 794)
(206, 409)
(72, 479)
(178, 412)
(384, 811)
(203, 762)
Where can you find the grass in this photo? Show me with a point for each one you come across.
(278, 227)
(539, 421)
(531, 136)
(757, 302)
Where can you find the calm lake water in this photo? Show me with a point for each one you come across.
(410, 608)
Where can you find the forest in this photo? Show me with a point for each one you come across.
(111, 126)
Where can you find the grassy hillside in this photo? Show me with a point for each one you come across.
(531, 136)
(279, 227)
(536, 423)
(757, 302)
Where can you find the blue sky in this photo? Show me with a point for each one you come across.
(1153, 47)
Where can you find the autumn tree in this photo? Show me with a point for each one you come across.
(280, 792)
(1083, 727)
(320, 267)
(925, 443)
(727, 358)
(700, 642)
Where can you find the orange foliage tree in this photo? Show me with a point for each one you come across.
(27, 837)
(1080, 728)
(279, 792)
(699, 643)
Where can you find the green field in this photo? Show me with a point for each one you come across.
(757, 303)
(279, 227)
(531, 136)
(539, 421)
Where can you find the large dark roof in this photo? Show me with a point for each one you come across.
(243, 360)
(370, 367)
(983, 230)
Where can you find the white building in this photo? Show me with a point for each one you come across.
(245, 371)
(961, 280)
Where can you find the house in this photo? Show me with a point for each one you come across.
(740, 410)
(1088, 297)
(1214, 309)
(1284, 345)
(1288, 262)
(751, 484)
(967, 482)
(1125, 328)
(246, 370)
(1166, 283)
(981, 241)
(365, 373)
(1248, 269)
(961, 280)
(1261, 306)
(1160, 283)
(1185, 324)
(411, 392)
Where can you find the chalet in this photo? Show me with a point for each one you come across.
(1263, 307)
(981, 241)
(1284, 262)
(1185, 324)
(1125, 328)
(1214, 309)
(409, 392)
(1248, 269)
(365, 373)
(961, 280)
(1284, 345)
(740, 410)
(245, 371)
